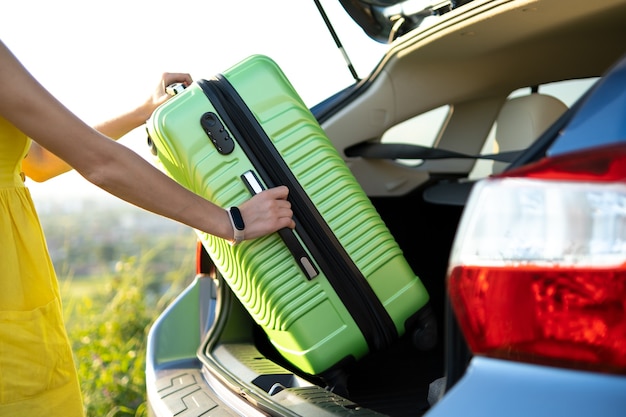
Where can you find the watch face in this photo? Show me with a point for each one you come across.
(237, 218)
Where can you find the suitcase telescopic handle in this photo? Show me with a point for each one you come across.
(287, 235)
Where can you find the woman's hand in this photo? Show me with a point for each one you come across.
(159, 95)
(267, 212)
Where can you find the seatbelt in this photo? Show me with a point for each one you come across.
(374, 150)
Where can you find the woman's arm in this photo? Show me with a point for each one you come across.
(117, 169)
(41, 165)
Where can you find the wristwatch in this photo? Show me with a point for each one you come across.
(238, 225)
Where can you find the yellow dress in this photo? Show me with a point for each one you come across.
(37, 372)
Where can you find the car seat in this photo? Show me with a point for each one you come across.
(522, 120)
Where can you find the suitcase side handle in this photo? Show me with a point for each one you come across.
(287, 235)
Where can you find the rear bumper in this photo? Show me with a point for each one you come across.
(185, 392)
(174, 380)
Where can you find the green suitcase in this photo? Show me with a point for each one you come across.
(338, 286)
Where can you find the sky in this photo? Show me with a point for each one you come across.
(100, 57)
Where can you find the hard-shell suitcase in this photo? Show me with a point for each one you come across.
(338, 286)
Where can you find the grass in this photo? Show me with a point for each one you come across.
(89, 287)
(108, 318)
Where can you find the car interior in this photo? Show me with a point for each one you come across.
(489, 66)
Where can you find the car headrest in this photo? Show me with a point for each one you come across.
(522, 120)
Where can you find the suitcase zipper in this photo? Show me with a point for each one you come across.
(344, 276)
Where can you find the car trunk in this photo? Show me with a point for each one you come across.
(394, 381)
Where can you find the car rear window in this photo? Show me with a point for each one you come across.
(423, 129)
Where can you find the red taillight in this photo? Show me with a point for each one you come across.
(538, 268)
(204, 264)
(199, 250)
(603, 164)
(544, 315)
